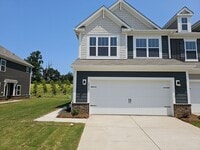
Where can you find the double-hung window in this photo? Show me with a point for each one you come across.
(184, 24)
(191, 50)
(147, 47)
(153, 47)
(103, 46)
(3, 65)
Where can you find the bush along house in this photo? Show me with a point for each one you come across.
(129, 65)
(15, 76)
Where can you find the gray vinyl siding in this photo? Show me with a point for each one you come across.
(198, 48)
(102, 27)
(180, 92)
(131, 20)
(194, 76)
(17, 72)
(177, 49)
(165, 47)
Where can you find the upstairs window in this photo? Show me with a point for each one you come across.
(184, 24)
(103, 46)
(3, 65)
(147, 47)
(191, 50)
(27, 69)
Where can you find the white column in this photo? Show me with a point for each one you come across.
(14, 88)
(74, 86)
(188, 87)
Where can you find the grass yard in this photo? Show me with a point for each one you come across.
(196, 123)
(18, 130)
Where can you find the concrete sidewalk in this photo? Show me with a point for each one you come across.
(10, 101)
(106, 132)
(52, 117)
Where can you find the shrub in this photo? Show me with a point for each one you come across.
(74, 112)
(35, 88)
(53, 88)
(44, 86)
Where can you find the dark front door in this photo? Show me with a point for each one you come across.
(9, 90)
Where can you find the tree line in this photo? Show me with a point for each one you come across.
(47, 74)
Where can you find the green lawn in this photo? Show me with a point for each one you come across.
(196, 123)
(18, 130)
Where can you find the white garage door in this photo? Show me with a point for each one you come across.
(195, 96)
(130, 96)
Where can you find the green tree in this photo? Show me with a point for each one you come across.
(35, 59)
(50, 74)
(68, 76)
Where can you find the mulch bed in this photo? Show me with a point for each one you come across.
(67, 114)
(191, 118)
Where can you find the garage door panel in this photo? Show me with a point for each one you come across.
(128, 111)
(195, 96)
(130, 97)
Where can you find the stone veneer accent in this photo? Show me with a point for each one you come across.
(182, 110)
(82, 108)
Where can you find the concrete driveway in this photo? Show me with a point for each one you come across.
(114, 132)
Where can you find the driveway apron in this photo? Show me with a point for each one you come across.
(106, 132)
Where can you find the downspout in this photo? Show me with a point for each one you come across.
(30, 83)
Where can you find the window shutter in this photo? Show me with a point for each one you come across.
(130, 47)
(198, 48)
(165, 47)
(182, 49)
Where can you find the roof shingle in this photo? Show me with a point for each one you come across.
(6, 54)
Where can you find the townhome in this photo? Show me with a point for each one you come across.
(127, 64)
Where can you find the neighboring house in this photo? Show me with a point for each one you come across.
(15, 76)
(129, 65)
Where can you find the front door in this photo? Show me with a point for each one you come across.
(9, 90)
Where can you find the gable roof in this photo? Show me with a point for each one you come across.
(134, 11)
(8, 55)
(105, 11)
(184, 11)
(196, 26)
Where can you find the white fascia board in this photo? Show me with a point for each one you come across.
(185, 9)
(132, 10)
(140, 16)
(97, 14)
(134, 68)
(194, 71)
(185, 35)
(164, 31)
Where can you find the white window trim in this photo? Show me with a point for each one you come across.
(109, 47)
(180, 24)
(190, 40)
(3, 65)
(27, 70)
(147, 38)
(18, 90)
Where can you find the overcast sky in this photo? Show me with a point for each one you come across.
(47, 25)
